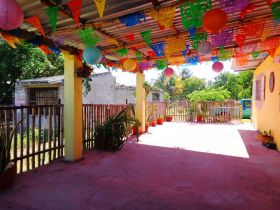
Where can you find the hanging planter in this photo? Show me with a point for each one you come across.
(84, 71)
(11, 15)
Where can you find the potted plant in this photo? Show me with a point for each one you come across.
(199, 118)
(268, 140)
(7, 167)
(153, 122)
(160, 120)
(147, 125)
(168, 118)
(110, 135)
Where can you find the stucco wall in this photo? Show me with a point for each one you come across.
(266, 113)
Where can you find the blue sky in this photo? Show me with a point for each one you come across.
(203, 70)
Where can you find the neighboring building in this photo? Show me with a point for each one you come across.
(266, 97)
(104, 90)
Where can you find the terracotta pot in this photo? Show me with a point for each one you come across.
(7, 178)
(199, 118)
(134, 130)
(169, 118)
(160, 121)
(147, 127)
(154, 123)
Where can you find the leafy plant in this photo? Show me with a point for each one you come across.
(110, 135)
(5, 147)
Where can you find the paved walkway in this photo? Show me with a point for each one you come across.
(176, 166)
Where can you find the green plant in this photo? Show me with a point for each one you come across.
(151, 110)
(110, 135)
(5, 147)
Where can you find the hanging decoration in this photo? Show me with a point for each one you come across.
(35, 21)
(45, 49)
(11, 15)
(52, 13)
(271, 43)
(224, 54)
(161, 64)
(151, 54)
(223, 38)
(113, 41)
(255, 54)
(144, 65)
(100, 5)
(89, 37)
(139, 56)
(275, 7)
(176, 60)
(265, 34)
(217, 67)
(92, 55)
(122, 52)
(175, 46)
(164, 16)
(192, 13)
(192, 32)
(75, 7)
(146, 35)
(232, 6)
(168, 72)
(204, 48)
(84, 71)
(132, 19)
(11, 40)
(130, 37)
(272, 52)
(240, 39)
(214, 59)
(246, 10)
(129, 64)
(192, 60)
(214, 20)
(184, 52)
(197, 39)
(241, 59)
(253, 28)
(158, 48)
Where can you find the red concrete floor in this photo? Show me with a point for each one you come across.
(156, 177)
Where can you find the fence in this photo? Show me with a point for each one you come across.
(184, 111)
(38, 137)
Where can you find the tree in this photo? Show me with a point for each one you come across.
(219, 94)
(24, 62)
(192, 84)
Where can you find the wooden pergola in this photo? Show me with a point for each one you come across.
(114, 35)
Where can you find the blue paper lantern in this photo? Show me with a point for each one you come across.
(92, 55)
(132, 19)
(158, 48)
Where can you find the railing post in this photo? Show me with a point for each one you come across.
(140, 99)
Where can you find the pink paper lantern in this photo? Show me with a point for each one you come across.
(168, 72)
(204, 48)
(217, 67)
(11, 15)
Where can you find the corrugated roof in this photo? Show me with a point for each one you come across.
(110, 27)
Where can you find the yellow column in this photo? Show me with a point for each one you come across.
(73, 122)
(140, 99)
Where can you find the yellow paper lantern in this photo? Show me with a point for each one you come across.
(129, 64)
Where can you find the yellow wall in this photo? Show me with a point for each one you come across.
(266, 114)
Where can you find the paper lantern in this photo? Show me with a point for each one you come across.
(214, 20)
(217, 67)
(204, 48)
(11, 15)
(168, 72)
(129, 64)
(92, 55)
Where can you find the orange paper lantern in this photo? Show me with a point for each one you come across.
(214, 20)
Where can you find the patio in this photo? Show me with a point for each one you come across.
(175, 166)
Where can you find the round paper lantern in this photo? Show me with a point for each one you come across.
(129, 64)
(204, 48)
(217, 67)
(168, 72)
(92, 55)
(214, 20)
(11, 15)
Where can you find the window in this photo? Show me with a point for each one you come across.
(155, 97)
(43, 96)
(259, 88)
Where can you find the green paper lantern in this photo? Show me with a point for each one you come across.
(255, 54)
(89, 37)
(197, 39)
(161, 64)
(122, 52)
(146, 35)
(192, 13)
(52, 13)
